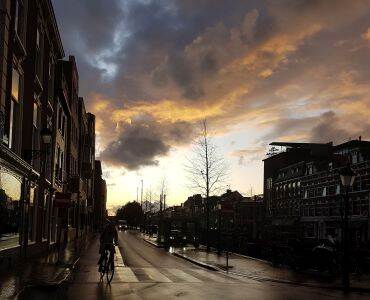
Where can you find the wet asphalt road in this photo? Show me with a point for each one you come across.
(146, 272)
(137, 253)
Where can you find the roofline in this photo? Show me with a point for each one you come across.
(300, 145)
(55, 27)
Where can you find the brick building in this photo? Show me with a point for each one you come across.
(303, 193)
(47, 140)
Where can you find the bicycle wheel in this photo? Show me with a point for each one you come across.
(102, 268)
(109, 270)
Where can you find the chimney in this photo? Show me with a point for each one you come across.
(359, 138)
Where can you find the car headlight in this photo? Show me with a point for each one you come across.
(171, 237)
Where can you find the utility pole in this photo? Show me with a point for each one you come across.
(141, 200)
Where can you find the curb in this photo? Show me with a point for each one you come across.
(196, 262)
(153, 243)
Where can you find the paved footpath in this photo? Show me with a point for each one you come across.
(265, 271)
(40, 272)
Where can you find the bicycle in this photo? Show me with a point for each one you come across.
(107, 265)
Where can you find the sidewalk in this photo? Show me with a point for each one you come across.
(264, 271)
(42, 271)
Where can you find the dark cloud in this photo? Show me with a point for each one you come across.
(143, 140)
(332, 128)
(231, 60)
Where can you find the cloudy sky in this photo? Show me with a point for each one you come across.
(258, 71)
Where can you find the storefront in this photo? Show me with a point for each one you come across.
(17, 201)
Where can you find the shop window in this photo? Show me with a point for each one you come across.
(10, 208)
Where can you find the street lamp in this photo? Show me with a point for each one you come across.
(46, 136)
(347, 177)
(219, 207)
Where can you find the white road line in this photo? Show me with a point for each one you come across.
(118, 260)
(155, 275)
(183, 276)
(125, 275)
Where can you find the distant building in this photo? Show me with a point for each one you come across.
(100, 196)
(303, 194)
(249, 215)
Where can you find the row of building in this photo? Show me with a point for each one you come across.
(51, 186)
(303, 200)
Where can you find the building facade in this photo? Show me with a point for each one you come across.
(304, 195)
(100, 196)
(46, 158)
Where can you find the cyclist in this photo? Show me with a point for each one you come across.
(108, 239)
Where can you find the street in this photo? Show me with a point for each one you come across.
(146, 272)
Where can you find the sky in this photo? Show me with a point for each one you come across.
(258, 71)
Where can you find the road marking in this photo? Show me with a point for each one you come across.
(118, 260)
(155, 275)
(125, 275)
(182, 275)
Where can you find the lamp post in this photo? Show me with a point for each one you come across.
(219, 207)
(347, 177)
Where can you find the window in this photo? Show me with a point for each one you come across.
(309, 169)
(324, 191)
(337, 190)
(18, 17)
(39, 50)
(38, 37)
(35, 114)
(15, 85)
(10, 201)
(269, 183)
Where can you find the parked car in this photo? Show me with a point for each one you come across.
(177, 238)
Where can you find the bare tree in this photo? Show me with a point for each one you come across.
(207, 170)
(163, 191)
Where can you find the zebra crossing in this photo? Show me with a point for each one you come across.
(123, 274)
